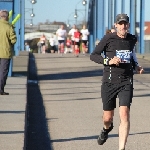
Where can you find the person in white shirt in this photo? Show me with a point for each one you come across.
(85, 34)
(61, 33)
(52, 44)
(71, 33)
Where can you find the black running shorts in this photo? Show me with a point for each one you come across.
(109, 93)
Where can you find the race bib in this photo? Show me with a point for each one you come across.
(124, 55)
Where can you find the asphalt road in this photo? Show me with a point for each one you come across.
(65, 109)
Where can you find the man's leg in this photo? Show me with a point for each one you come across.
(62, 48)
(108, 126)
(124, 127)
(83, 47)
(108, 94)
(59, 47)
(108, 118)
(4, 68)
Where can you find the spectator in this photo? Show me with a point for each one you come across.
(27, 47)
(113, 30)
(108, 31)
(8, 39)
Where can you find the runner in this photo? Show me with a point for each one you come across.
(71, 32)
(61, 33)
(68, 45)
(119, 61)
(85, 34)
(77, 35)
(43, 44)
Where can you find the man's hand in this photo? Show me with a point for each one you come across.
(139, 69)
(115, 61)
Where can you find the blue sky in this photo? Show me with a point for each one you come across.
(63, 10)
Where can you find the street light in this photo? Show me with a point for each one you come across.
(84, 2)
(33, 1)
(30, 9)
(75, 15)
(68, 20)
(31, 21)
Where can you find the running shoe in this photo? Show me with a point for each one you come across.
(104, 135)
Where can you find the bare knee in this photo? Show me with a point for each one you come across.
(124, 113)
(108, 116)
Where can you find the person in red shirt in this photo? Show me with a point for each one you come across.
(68, 45)
(77, 35)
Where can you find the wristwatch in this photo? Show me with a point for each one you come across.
(106, 61)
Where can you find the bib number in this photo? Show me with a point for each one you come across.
(124, 55)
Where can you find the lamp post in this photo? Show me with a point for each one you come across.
(31, 24)
(33, 1)
(76, 14)
(84, 2)
(68, 20)
(31, 11)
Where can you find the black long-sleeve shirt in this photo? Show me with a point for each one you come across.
(109, 45)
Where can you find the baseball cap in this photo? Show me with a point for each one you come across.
(122, 17)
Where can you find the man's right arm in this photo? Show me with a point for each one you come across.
(70, 32)
(96, 54)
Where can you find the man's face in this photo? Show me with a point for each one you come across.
(122, 27)
(62, 26)
(74, 27)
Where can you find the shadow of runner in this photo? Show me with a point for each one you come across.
(37, 135)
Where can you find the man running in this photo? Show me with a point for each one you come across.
(85, 34)
(61, 33)
(119, 61)
(71, 33)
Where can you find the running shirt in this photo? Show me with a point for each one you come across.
(77, 36)
(52, 41)
(112, 45)
(85, 34)
(61, 34)
(71, 32)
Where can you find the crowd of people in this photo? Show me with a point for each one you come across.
(75, 41)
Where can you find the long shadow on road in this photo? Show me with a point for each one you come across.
(71, 75)
(92, 137)
(37, 135)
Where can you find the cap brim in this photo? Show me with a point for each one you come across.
(123, 20)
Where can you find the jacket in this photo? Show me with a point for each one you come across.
(7, 39)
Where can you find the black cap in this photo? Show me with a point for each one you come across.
(122, 17)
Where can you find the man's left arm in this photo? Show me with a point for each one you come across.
(136, 65)
(13, 37)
